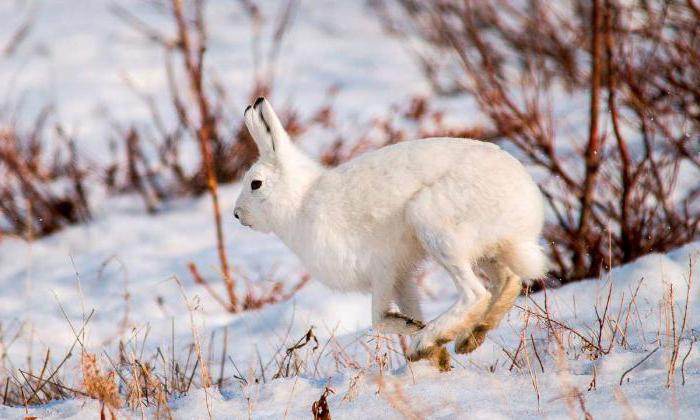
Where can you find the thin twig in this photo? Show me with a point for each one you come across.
(637, 364)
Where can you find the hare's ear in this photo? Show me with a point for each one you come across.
(265, 128)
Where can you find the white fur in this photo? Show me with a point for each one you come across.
(367, 224)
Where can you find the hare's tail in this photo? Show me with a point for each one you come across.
(526, 259)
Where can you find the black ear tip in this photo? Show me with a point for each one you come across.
(247, 109)
(258, 101)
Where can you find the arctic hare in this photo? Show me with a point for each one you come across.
(367, 224)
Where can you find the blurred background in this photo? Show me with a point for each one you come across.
(600, 98)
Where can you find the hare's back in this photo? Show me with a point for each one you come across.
(382, 181)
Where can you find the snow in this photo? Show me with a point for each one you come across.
(127, 265)
(151, 250)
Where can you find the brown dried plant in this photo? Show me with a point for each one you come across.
(30, 204)
(320, 409)
(611, 174)
(99, 385)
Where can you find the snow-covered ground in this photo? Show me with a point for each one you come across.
(145, 253)
(128, 266)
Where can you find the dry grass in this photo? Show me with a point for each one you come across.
(100, 386)
(148, 384)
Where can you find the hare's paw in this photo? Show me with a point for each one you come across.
(424, 344)
(398, 323)
(469, 342)
(424, 348)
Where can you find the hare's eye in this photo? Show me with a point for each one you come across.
(255, 184)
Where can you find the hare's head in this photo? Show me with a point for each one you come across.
(274, 187)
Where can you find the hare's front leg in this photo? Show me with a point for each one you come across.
(395, 307)
(408, 298)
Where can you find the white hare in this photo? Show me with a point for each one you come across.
(366, 225)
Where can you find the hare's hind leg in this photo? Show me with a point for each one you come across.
(506, 288)
(448, 245)
(463, 315)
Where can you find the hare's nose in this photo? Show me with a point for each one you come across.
(236, 213)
